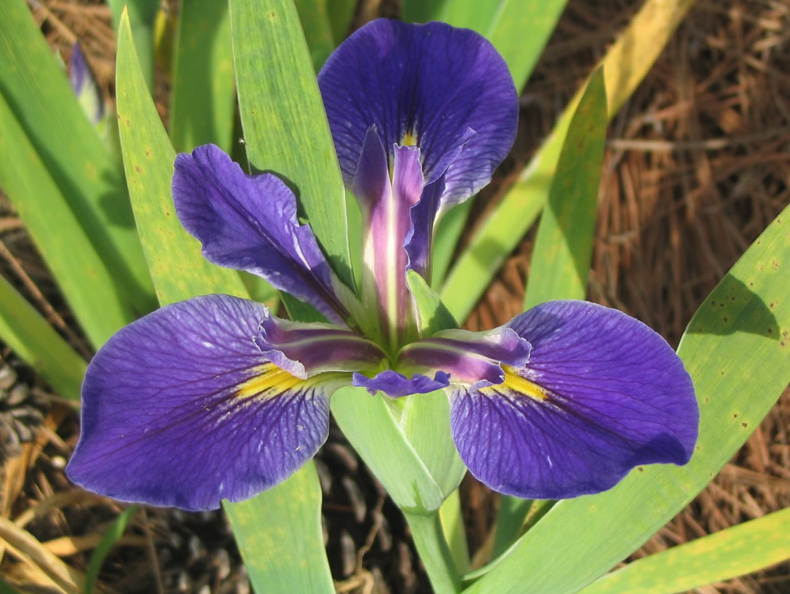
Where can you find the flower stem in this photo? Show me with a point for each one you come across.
(426, 528)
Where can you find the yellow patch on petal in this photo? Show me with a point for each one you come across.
(269, 381)
(514, 383)
(409, 139)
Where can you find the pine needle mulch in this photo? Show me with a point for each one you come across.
(697, 165)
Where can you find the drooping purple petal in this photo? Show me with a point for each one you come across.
(471, 358)
(395, 384)
(445, 90)
(601, 394)
(184, 408)
(250, 223)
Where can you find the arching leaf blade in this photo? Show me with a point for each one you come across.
(177, 267)
(564, 243)
(86, 282)
(70, 150)
(738, 550)
(34, 340)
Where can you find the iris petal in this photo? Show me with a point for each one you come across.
(250, 223)
(600, 395)
(395, 384)
(472, 358)
(184, 408)
(445, 90)
(318, 347)
(85, 87)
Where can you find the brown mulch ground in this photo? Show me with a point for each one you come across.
(697, 165)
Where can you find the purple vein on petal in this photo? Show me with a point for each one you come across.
(445, 90)
(184, 408)
(600, 394)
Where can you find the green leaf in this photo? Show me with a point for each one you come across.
(509, 522)
(452, 518)
(317, 30)
(142, 15)
(472, 14)
(340, 14)
(203, 104)
(107, 542)
(434, 552)
(280, 537)
(81, 274)
(520, 51)
(625, 65)
(433, 315)
(422, 11)
(34, 340)
(177, 266)
(372, 424)
(64, 144)
(495, 240)
(739, 550)
(737, 350)
(426, 426)
(448, 232)
(203, 99)
(285, 126)
(563, 247)
(426, 417)
(503, 22)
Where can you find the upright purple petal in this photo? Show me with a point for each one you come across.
(445, 90)
(184, 408)
(250, 223)
(601, 394)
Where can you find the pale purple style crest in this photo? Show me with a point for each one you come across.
(216, 398)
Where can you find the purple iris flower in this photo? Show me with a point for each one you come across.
(215, 397)
(83, 82)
